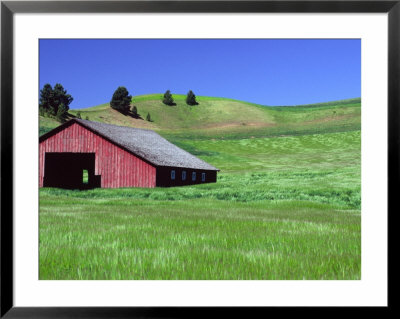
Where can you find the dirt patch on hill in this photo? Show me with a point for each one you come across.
(330, 119)
(237, 124)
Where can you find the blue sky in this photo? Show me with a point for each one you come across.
(267, 72)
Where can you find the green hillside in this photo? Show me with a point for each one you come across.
(226, 118)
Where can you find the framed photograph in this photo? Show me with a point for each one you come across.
(162, 156)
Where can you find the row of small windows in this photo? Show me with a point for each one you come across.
(203, 176)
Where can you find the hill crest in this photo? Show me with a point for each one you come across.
(224, 117)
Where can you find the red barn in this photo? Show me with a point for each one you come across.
(84, 154)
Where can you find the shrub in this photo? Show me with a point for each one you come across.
(191, 98)
(62, 113)
(134, 111)
(168, 100)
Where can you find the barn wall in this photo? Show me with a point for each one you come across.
(117, 167)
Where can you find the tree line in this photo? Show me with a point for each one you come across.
(54, 102)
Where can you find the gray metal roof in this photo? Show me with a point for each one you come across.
(148, 145)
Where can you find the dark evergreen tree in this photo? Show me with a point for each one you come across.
(42, 111)
(52, 98)
(148, 117)
(78, 115)
(62, 113)
(191, 98)
(168, 100)
(121, 100)
(87, 118)
(134, 111)
(46, 97)
(61, 97)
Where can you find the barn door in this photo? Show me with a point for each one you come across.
(70, 170)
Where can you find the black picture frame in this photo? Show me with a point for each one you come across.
(9, 8)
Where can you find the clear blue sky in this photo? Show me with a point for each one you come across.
(267, 72)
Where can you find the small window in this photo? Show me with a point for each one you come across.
(193, 176)
(172, 174)
(203, 177)
(85, 176)
(184, 175)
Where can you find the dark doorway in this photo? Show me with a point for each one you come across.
(70, 170)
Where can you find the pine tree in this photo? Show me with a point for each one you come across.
(46, 97)
(60, 97)
(42, 111)
(191, 98)
(134, 111)
(148, 117)
(78, 115)
(62, 113)
(121, 100)
(168, 100)
(52, 98)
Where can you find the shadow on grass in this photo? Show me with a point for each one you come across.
(131, 114)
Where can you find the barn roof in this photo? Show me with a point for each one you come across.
(146, 144)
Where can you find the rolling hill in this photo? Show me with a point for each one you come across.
(225, 118)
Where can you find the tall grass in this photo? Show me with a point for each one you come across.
(197, 239)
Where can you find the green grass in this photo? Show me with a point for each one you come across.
(197, 239)
(284, 207)
(46, 124)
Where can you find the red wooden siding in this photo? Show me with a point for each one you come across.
(117, 167)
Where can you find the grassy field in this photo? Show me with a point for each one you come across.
(286, 204)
